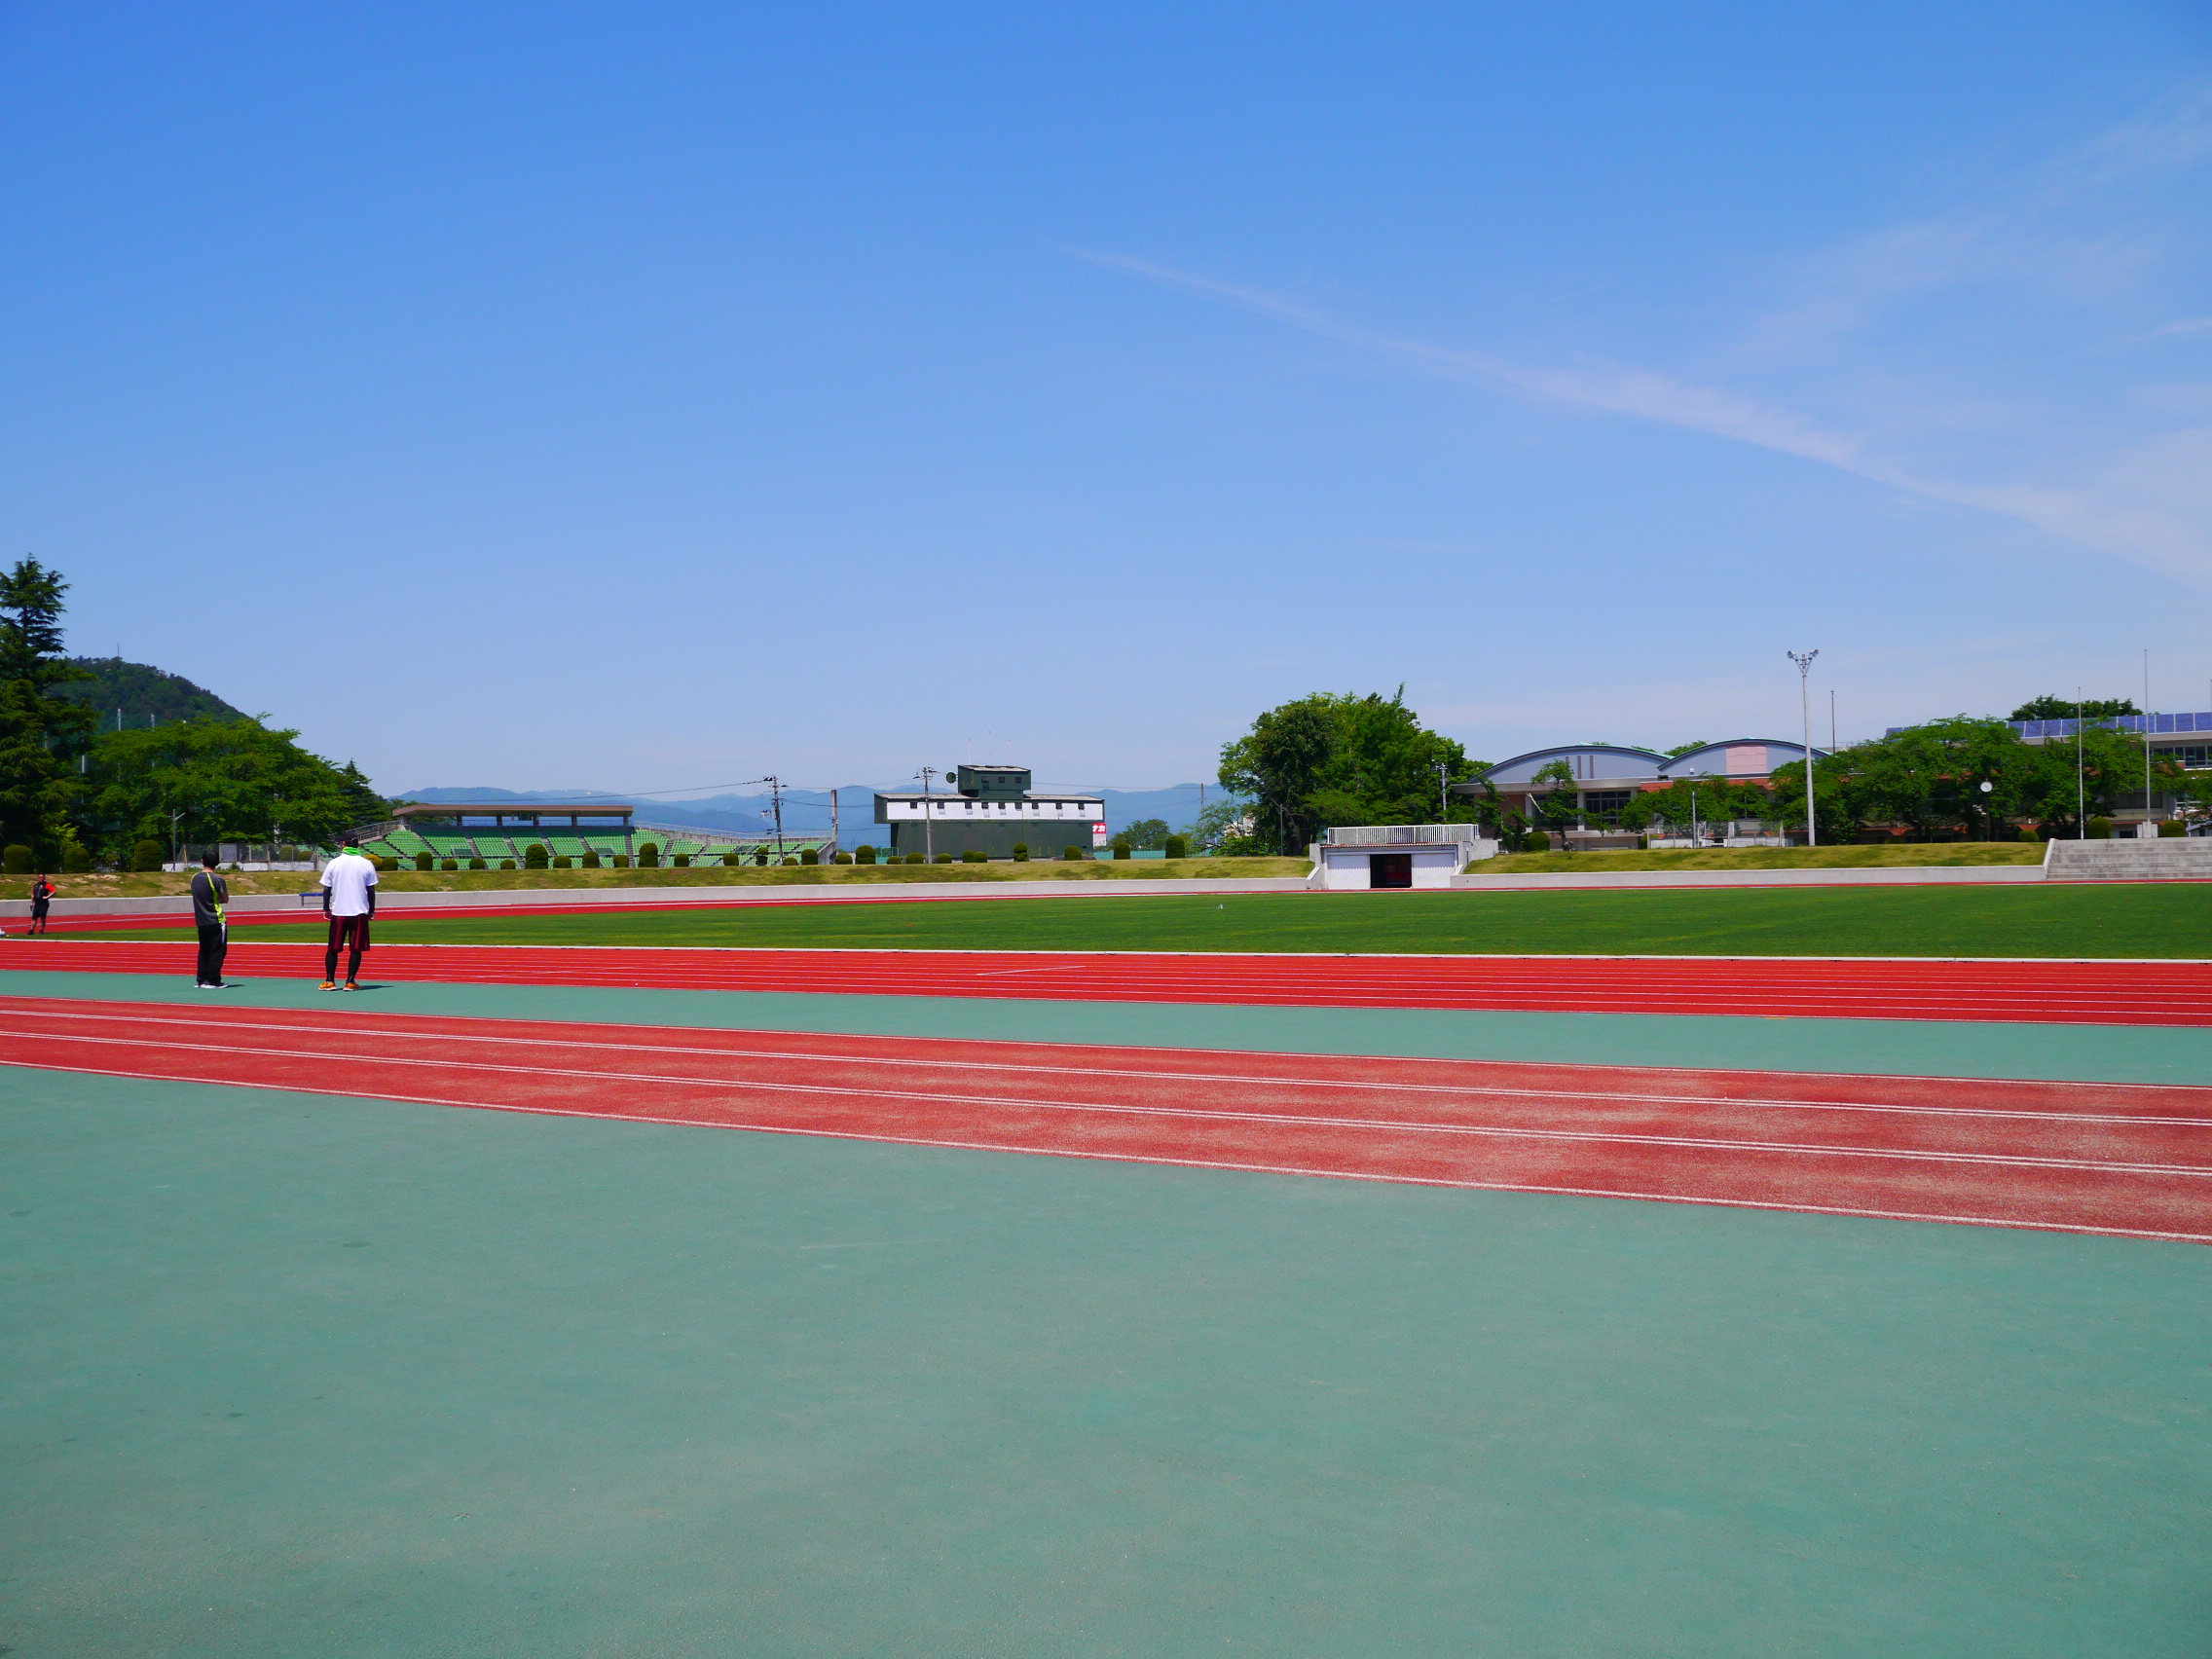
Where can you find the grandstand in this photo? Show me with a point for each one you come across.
(495, 830)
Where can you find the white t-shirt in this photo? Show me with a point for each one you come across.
(349, 877)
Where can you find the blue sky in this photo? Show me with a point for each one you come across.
(552, 396)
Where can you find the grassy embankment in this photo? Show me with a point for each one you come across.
(700, 875)
(1900, 857)
(2123, 921)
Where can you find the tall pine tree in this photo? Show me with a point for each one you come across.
(40, 734)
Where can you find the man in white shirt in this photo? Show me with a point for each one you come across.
(349, 901)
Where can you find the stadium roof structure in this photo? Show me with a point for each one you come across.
(519, 811)
(1613, 766)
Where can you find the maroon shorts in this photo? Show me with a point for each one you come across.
(349, 932)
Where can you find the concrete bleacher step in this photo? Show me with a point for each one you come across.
(2167, 858)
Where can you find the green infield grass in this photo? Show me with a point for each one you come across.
(2127, 920)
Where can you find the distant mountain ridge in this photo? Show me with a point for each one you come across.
(144, 695)
(807, 811)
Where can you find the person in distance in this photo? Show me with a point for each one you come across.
(349, 901)
(210, 906)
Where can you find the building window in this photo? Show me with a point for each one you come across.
(2194, 755)
(1607, 800)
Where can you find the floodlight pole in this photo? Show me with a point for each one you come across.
(2148, 723)
(2081, 774)
(1443, 790)
(929, 838)
(1805, 712)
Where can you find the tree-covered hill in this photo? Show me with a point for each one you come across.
(146, 695)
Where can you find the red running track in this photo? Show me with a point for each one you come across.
(2081, 1158)
(2076, 993)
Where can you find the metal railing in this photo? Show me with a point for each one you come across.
(1399, 834)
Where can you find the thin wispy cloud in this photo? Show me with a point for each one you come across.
(2139, 500)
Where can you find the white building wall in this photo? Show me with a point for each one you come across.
(1435, 868)
(1346, 869)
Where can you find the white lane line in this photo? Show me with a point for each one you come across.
(1478, 1090)
(1196, 1114)
(1146, 1157)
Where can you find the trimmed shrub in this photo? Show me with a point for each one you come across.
(506, 863)
(2167, 827)
(1176, 847)
(387, 861)
(813, 855)
(1075, 855)
(1021, 852)
(561, 861)
(915, 857)
(842, 857)
(476, 859)
(591, 854)
(75, 861)
(622, 860)
(535, 856)
(449, 864)
(648, 852)
(2100, 828)
(867, 855)
(17, 861)
(425, 860)
(975, 856)
(730, 860)
(792, 860)
(1122, 849)
(683, 861)
(759, 857)
(146, 855)
(944, 858)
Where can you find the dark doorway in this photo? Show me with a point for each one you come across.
(1389, 869)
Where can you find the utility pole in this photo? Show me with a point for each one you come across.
(776, 799)
(1443, 790)
(834, 841)
(929, 838)
(1831, 722)
(1805, 709)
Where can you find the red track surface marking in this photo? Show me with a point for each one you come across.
(2093, 1157)
(2089, 993)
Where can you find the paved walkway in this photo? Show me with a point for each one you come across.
(1907, 875)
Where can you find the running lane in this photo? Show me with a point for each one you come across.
(2094, 1157)
(2097, 993)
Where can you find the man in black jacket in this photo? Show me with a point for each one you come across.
(210, 897)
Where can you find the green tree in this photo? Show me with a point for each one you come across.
(41, 733)
(228, 779)
(1558, 806)
(1343, 758)
(1838, 803)
(1928, 777)
(2064, 708)
(1226, 827)
(1147, 835)
(2110, 765)
(1705, 800)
